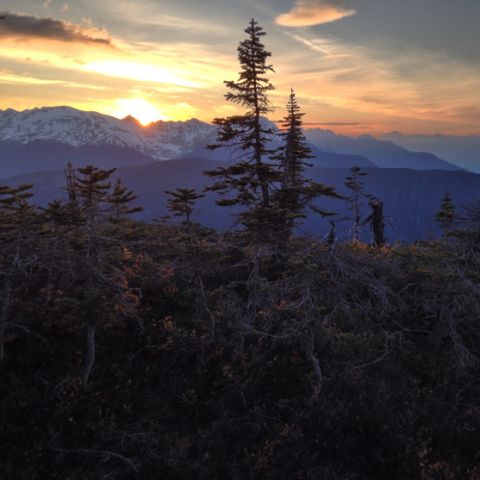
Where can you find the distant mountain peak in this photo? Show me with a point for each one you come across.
(160, 141)
(131, 119)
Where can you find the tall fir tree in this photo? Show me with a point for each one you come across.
(297, 192)
(248, 182)
(97, 256)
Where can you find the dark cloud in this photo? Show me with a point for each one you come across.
(15, 25)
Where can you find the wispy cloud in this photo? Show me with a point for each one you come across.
(314, 12)
(409, 91)
(9, 77)
(13, 25)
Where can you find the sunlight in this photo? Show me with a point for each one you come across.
(140, 109)
(142, 72)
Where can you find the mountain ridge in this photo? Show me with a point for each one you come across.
(403, 191)
(385, 154)
(165, 140)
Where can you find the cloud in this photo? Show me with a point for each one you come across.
(26, 26)
(9, 77)
(306, 13)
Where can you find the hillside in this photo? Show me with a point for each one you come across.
(411, 197)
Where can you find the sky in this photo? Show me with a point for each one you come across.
(357, 66)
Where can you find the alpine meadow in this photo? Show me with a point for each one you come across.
(274, 277)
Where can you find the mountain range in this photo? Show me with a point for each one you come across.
(383, 153)
(462, 150)
(35, 146)
(51, 136)
(411, 197)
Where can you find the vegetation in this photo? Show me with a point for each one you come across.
(139, 351)
(446, 214)
(248, 182)
(296, 193)
(354, 183)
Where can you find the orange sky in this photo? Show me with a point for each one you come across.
(97, 63)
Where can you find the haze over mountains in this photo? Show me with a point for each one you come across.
(50, 129)
(463, 151)
(35, 146)
(384, 154)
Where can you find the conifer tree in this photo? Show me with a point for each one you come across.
(18, 222)
(446, 215)
(355, 185)
(182, 202)
(297, 192)
(92, 188)
(249, 180)
(97, 269)
(120, 200)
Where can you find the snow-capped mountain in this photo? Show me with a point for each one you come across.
(66, 125)
(46, 138)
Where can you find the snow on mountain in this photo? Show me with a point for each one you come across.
(160, 140)
(66, 126)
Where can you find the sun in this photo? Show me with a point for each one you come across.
(140, 109)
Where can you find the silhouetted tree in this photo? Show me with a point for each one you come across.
(18, 234)
(120, 200)
(96, 255)
(297, 191)
(182, 202)
(92, 187)
(249, 179)
(446, 215)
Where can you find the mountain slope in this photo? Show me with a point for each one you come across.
(160, 140)
(167, 140)
(384, 154)
(39, 156)
(411, 197)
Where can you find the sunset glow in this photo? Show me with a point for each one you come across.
(354, 68)
(140, 109)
